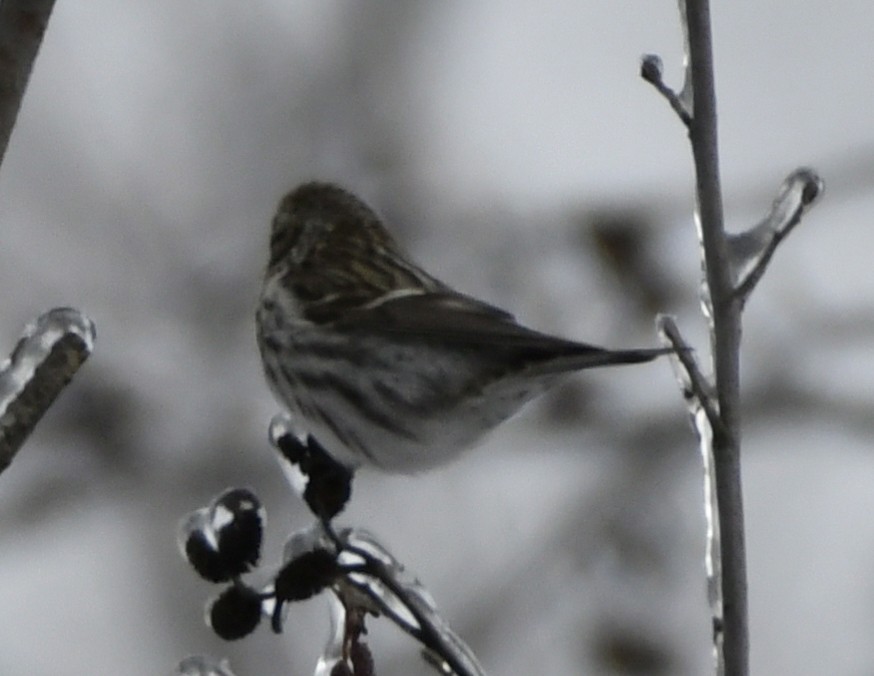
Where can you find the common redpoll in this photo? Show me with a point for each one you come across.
(382, 363)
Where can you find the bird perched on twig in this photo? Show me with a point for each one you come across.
(382, 363)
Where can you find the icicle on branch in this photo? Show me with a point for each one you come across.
(44, 360)
(751, 251)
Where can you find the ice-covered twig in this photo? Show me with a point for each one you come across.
(731, 643)
(44, 360)
(723, 310)
(366, 565)
(751, 251)
(698, 391)
(703, 406)
(202, 665)
(372, 570)
(22, 25)
(651, 71)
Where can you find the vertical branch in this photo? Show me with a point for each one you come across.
(732, 265)
(724, 313)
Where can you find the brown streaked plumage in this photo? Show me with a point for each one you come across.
(381, 362)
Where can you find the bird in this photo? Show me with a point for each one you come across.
(382, 363)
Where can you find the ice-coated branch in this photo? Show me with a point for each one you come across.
(731, 642)
(732, 266)
(22, 25)
(698, 391)
(44, 360)
(651, 71)
(703, 406)
(369, 570)
(372, 570)
(203, 665)
(751, 251)
(222, 542)
(720, 442)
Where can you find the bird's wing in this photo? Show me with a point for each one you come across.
(451, 317)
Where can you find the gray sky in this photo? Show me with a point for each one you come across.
(152, 147)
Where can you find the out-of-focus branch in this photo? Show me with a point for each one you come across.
(22, 25)
(44, 360)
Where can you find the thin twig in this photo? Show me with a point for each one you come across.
(651, 71)
(436, 638)
(695, 384)
(699, 395)
(751, 251)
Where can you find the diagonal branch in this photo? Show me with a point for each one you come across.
(751, 251)
(377, 574)
(698, 391)
(45, 359)
(651, 71)
(22, 25)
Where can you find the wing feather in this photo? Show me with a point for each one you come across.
(454, 318)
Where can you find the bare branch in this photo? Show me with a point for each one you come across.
(45, 359)
(725, 334)
(22, 25)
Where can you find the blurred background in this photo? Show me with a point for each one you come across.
(517, 154)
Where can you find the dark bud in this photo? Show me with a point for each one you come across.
(235, 613)
(330, 483)
(306, 575)
(292, 449)
(651, 68)
(223, 541)
(813, 186)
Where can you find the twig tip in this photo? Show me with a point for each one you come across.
(651, 68)
(814, 186)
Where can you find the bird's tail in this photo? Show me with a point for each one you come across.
(589, 356)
